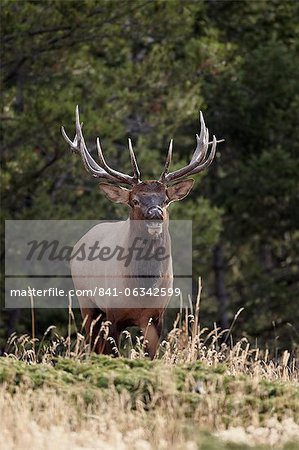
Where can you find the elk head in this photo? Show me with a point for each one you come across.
(148, 200)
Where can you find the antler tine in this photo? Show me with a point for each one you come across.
(136, 170)
(168, 162)
(118, 176)
(199, 160)
(72, 144)
(209, 160)
(78, 145)
(88, 161)
(202, 141)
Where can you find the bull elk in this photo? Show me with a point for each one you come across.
(148, 203)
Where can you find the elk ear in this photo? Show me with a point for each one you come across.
(179, 190)
(116, 194)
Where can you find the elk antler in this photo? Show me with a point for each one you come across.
(199, 160)
(103, 170)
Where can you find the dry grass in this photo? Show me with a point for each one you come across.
(187, 342)
(56, 394)
(46, 420)
(61, 418)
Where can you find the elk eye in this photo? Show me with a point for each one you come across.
(135, 202)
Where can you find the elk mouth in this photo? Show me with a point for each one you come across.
(154, 227)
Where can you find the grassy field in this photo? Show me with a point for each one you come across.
(102, 402)
(199, 393)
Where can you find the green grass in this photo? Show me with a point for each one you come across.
(233, 396)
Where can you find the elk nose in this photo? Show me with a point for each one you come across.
(154, 213)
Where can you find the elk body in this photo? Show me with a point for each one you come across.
(148, 220)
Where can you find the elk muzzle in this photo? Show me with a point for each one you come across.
(154, 220)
